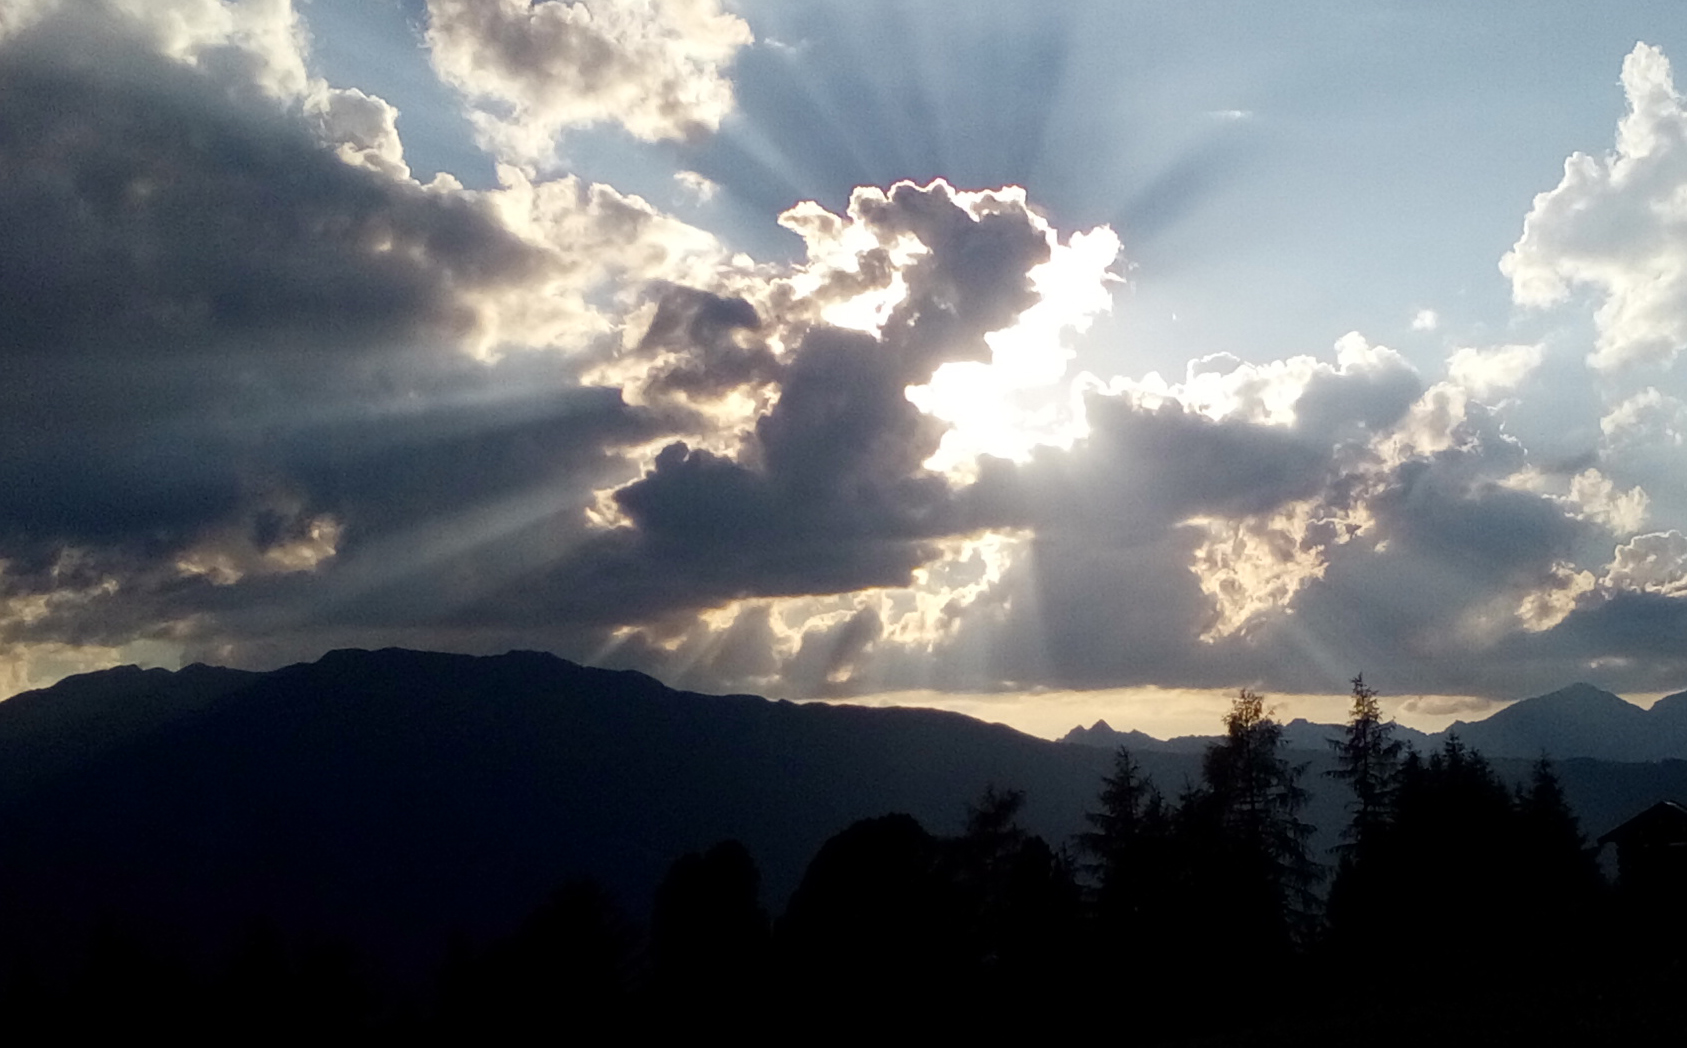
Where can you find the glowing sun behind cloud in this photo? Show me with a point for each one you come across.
(1021, 398)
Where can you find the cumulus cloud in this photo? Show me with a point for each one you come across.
(1616, 226)
(530, 71)
(1496, 369)
(1647, 417)
(834, 472)
(1255, 565)
(1654, 563)
(1368, 387)
(253, 45)
(1552, 603)
(268, 395)
(246, 346)
(363, 130)
(1596, 497)
(696, 186)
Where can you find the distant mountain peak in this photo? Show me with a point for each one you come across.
(1669, 704)
(1581, 691)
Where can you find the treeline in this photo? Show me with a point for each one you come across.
(1455, 910)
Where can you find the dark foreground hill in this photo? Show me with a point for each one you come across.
(392, 798)
(395, 796)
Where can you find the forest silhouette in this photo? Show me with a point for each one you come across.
(1455, 910)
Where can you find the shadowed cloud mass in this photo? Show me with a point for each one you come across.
(268, 394)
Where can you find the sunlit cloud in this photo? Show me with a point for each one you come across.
(922, 457)
(1487, 371)
(1615, 226)
(531, 71)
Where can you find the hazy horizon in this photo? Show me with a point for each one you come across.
(1166, 713)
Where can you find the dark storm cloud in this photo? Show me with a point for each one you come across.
(1106, 594)
(1432, 590)
(830, 496)
(1088, 612)
(711, 338)
(183, 272)
(1488, 534)
(228, 337)
(495, 432)
(1335, 405)
(1451, 555)
(828, 493)
(1647, 627)
(838, 455)
(215, 333)
(1142, 470)
(828, 654)
(973, 281)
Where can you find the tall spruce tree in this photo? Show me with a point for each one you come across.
(1368, 761)
(1129, 849)
(1253, 797)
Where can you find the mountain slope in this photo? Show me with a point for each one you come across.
(1578, 721)
(56, 730)
(392, 797)
(395, 795)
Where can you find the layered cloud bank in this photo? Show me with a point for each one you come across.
(269, 394)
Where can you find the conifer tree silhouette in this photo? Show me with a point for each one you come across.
(1129, 848)
(1020, 907)
(1252, 797)
(1368, 761)
(1135, 892)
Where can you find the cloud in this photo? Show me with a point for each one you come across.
(699, 345)
(1425, 320)
(1448, 706)
(1597, 498)
(362, 128)
(530, 71)
(696, 186)
(1370, 387)
(1648, 417)
(830, 651)
(178, 249)
(1552, 603)
(1616, 226)
(1654, 563)
(243, 368)
(806, 472)
(1496, 369)
(246, 47)
(267, 395)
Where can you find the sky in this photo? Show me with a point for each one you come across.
(1041, 361)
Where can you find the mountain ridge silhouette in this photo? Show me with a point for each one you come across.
(1579, 721)
(397, 795)
(394, 797)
